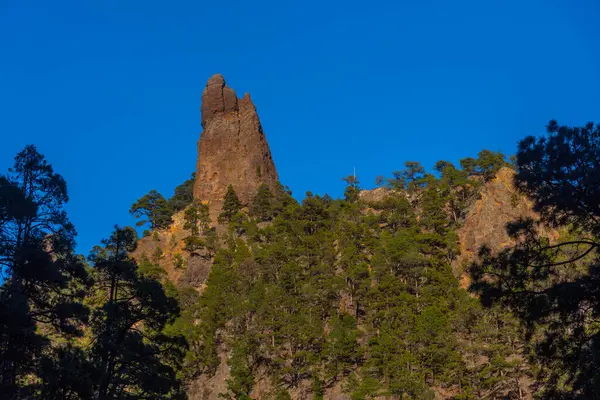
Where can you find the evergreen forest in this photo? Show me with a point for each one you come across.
(357, 296)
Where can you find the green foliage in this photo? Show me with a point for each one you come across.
(327, 292)
(154, 208)
(362, 389)
(178, 261)
(282, 394)
(173, 242)
(133, 356)
(456, 185)
(242, 380)
(341, 351)
(49, 346)
(352, 188)
(262, 206)
(184, 195)
(197, 218)
(150, 269)
(413, 173)
(157, 255)
(197, 221)
(552, 286)
(211, 241)
(157, 212)
(193, 243)
(231, 206)
(397, 182)
(44, 278)
(186, 325)
(485, 165)
(283, 198)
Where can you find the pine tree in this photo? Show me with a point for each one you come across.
(231, 206)
(485, 165)
(341, 350)
(154, 208)
(352, 188)
(197, 221)
(43, 274)
(456, 186)
(184, 195)
(413, 174)
(262, 204)
(211, 241)
(133, 356)
(552, 287)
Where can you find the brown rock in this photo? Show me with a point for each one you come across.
(217, 98)
(232, 148)
(374, 195)
(171, 243)
(499, 203)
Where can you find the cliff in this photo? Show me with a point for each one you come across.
(498, 203)
(232, 148)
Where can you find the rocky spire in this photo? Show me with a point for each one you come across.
(217, 98)
(232, 148)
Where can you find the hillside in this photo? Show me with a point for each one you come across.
(455, 283)
(306, 299)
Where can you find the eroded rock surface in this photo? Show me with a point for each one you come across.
(232, 148)
(485, 224)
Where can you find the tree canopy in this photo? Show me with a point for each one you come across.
(155, 208)
(551, 285)
(354, 294)
(42, 274)
(68, 331)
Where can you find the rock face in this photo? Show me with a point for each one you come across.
(182, 268)
(232, 148)
(498, 203)
(485, 223)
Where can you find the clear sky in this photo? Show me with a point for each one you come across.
(110, 91)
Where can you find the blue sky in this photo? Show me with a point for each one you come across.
(110, 91)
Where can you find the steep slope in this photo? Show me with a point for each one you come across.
(485, 223)
(497, 204)
(324, 277)
(232, 150)
(166, 248)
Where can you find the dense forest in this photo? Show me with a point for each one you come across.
(352, 295)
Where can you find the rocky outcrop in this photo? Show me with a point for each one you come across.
(498, 203)
(166, 247)
(485, 223)
(374, 195)
(232, 148)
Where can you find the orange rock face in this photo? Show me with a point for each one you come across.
(485, 224)
(232, 148)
